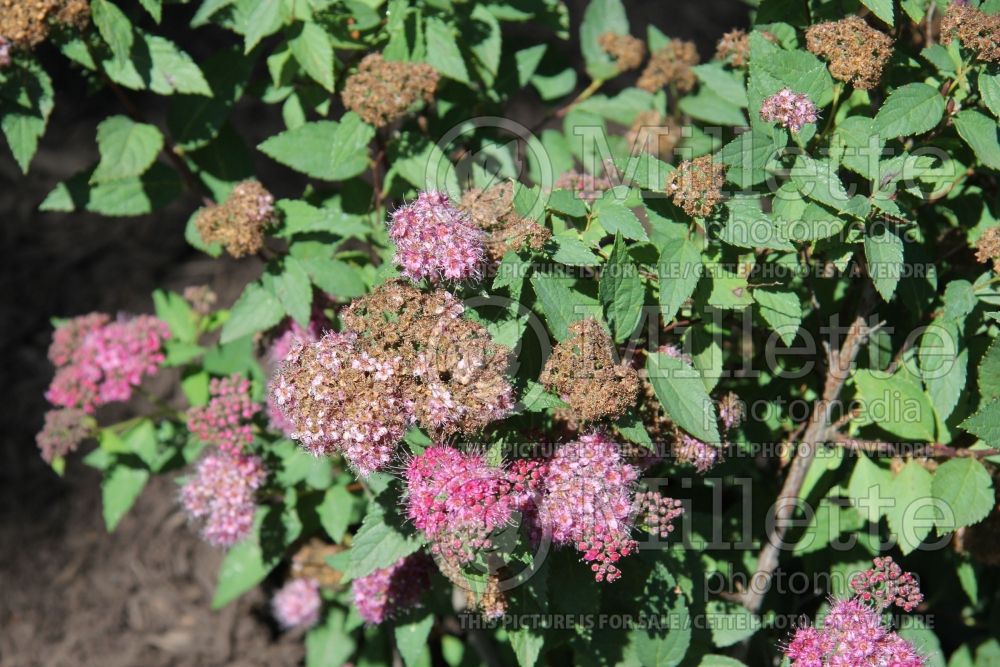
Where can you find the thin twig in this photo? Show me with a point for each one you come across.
(840, 363)
(922, 449)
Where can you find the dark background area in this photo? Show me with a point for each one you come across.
(71, 594)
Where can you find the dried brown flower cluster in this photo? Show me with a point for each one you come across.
(449, 367)
(492, 210)
(27, 23)
(670, 64)
(734, 48)
(654, 133)
(856, 52)
(988, 247)
(239, 223)
(587, 187)
(975, 29)
(582, 372)
(696, 185)
(382, 91)
(628, 51)
(201, 298)
(309, 562)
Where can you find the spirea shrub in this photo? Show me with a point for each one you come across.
(570, 341)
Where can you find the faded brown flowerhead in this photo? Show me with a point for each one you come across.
(975, 29)
(696, 185)
(492, 210)
(382, 91)
(628, 51)
(239, 223)
(988, 247)
(654, 133)
(856, 52)
(670, 64)
(27, 23)
(734, 48)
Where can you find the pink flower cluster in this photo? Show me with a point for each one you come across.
(63, 432)
(437, 241)
(297, 604)
(588, 502)
(100, 361)
(225, 420)
(886, 584)
(458, 501)
(279, 349)
(851, 635)
(791, 110)
(221, 493)
(658, 512)
(336, 399)
(692, 451)
(388, 591)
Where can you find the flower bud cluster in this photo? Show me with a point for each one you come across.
(691, 451)
(225, 420)
(221, 495)
(582, 372)
(382, 91)
(658, 512)
(239, 223)
(886, 584)
(99, 360)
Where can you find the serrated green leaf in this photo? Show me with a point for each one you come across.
(964, 485)
(311, 47)
(127, 148)
(884, 252)
(26, 102)
(256, 19)
(909, 110)
(896, 403)
(378, 545)
(909, 490)
(782, 309)
(617, 218)
(679, 269)
(123, 197)
(119, 491)
(985, 424)
(561, 302)
(328, 150)
(443, 53)
(882, 9)
(682, 393)
(335, 512)
(621, 291)
(411, 638)
(989, 372)
(980, 133)
(257, 309)
(943, 365)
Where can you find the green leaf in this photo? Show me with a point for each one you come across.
(682, 393)
(154, 8)
(909, 110)
(194, 120)
(616, 218)
(989, 372)
(896, 403)
(127, 148)
(571, 251)
(242, 569)
(665, 647)
(882, 9)
(561, 303)
(257, 309)
(980, 133)
(114, 27)
(713, 660)
(943, 366)
(330, 643)
(26, 101)
(176, 312)
(782, 309)
(119, 491)
(727, 84)
(884, 252)
(748, 226)
(311, 47)
(324, 149)
(294, 290)
(123, 197)
(172, 70)
(335, 512)
(486, 43)
(909, 491)
(985, 424)
(378, 545)
(527, 644)
(621, 291)
(601, 16)
(989, 90)
(256, 19)
(679, 269)
(868, 488)
(411, 638)
(964, 485)
(443, 53)
(708, 106)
